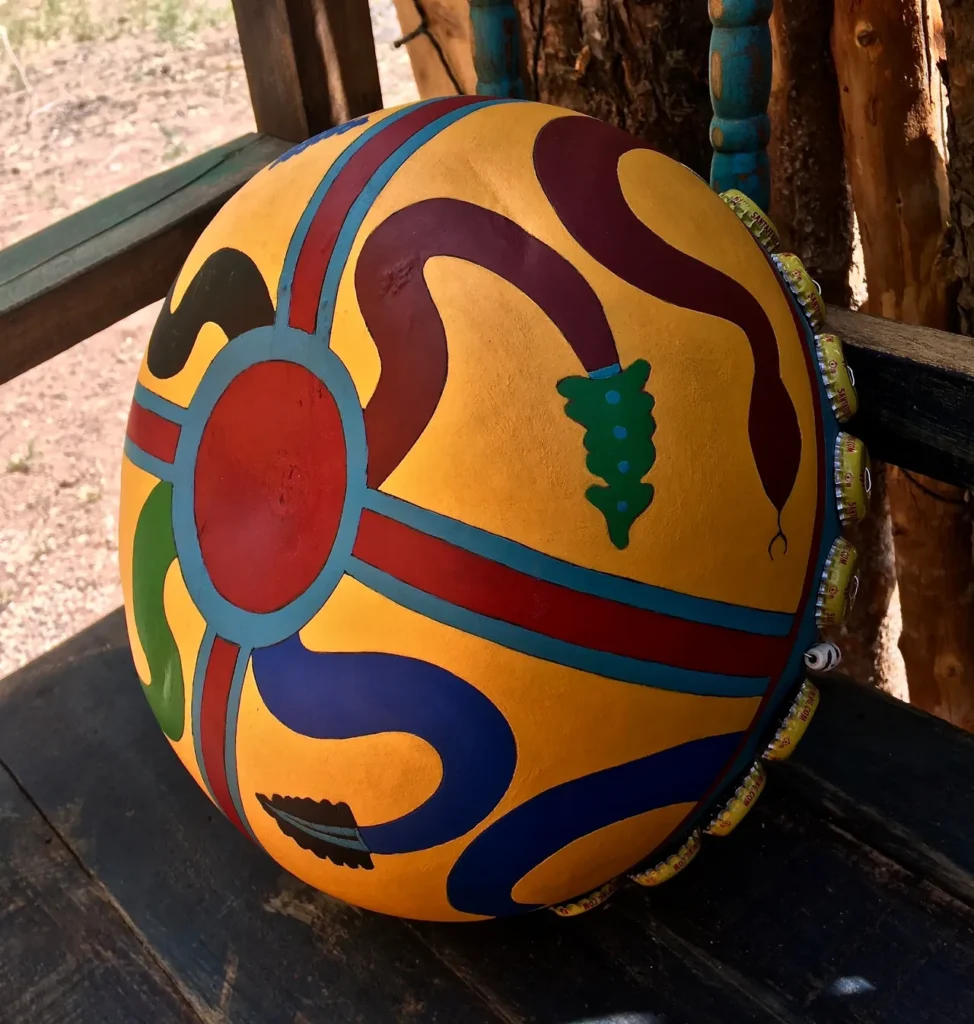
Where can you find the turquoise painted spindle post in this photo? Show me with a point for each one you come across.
(497, 48)
(740, 87)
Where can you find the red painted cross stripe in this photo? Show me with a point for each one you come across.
(312, 263)
(217, 681)
(489, 588)
(154, 434)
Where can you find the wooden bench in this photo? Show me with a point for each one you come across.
(848, 895)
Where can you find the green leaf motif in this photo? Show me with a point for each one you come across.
(153, 552)
(617, 414)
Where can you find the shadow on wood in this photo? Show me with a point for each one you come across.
(846, 896)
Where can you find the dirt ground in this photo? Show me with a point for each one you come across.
(100, 115)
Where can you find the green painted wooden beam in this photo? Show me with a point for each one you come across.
(97, 266)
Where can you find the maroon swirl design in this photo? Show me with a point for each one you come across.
(577, 160)
(406, 326)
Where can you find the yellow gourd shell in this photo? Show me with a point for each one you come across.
(475, 498)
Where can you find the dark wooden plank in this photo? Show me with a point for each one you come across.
(66, 954)
(244, 938)
(894, 777)
(310, 63)
(795, 918)
(839, 933)
(916, 394)
(93, 268)
(207, 900)
(604, 967)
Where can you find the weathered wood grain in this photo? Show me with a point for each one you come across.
(93, 268)
(916, 394)
(310, 63)
(834, 902)
(894, 777)
(66, 953)
(212, 905)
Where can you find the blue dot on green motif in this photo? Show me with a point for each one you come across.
(623, 466)
(620, 432)
(613, 397)
(622, 506)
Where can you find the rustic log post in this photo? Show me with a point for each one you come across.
(890, 107)
(310, 63)
(439, 40)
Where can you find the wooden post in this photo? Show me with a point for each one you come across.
(740, 87)
(310, 63)
(890, 105)
(439, 44)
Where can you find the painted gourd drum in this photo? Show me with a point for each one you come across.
(481, 504)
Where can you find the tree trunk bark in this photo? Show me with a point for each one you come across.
(892, 108)
(810, 200)
(639, 64)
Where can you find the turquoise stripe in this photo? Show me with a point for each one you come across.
(346, 837)
(304, 224)
(230, 748)
(517, 638)
(360, 208)
(575, 577)
(149, 463)
(199, 675)
(159, 405)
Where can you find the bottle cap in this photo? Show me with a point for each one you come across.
(853, 479)
(672, 866)
(590, 901)
(802, 287)
(839, 586)
(840, 385)
(737, 808)
(796, 722)
(754, 218)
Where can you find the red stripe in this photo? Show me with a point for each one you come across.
(309, 272)
(154, 434)
(213, 723)
(480, 585)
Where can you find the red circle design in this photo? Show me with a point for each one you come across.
(270, 483)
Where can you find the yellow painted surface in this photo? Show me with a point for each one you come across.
(567, 723)
(501, 454)
(500, 408)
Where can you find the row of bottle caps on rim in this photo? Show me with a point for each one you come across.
(837, 588)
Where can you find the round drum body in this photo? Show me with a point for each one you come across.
(475, 497)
